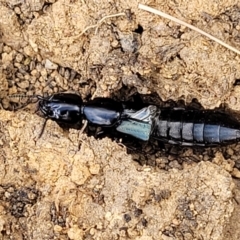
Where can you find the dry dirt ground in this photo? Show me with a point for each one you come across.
(71, 186)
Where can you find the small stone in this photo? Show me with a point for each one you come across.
(145, 90)
(23, 84)
(235, 173)
(175, 164)
(5, 103)
(127, 217)
(11, 190)
(29, 51)
(7, 49)
(34, 72)
(92, 231)
(33, 45)
(7, 194)
(57, 228)
(103, 87)
(67, 74)
(147, 169)
(32, 65)
(41, 79)
(19, 75)
(114, 43)
(73, 74)
(230, 151)
(19, 57)
(17, 65)
(44, 73)
(75, 233)
(39, 58)
(228, 165)
(175, 222)
(32, 195)
(61, 71)
(39, 67)
(12, 90)
(7, 58)
(50, 65)
(58, 78)
(113, 78)
(33, 79)
(26, 61)
(17, 10)
(27, 76)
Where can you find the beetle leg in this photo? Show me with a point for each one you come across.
(43, 128)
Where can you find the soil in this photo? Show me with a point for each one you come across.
(67, 185)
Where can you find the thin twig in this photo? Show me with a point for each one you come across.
(162, 14)
(99, 23)
(109, 16)
(83, 127)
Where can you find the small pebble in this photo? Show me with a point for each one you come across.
(27, 61)
(19, 75)
(7, 58)
(114, 43)
(41, 79)
(23, 84)
(175, 222)
(92, 231)
(17, 10)
(39, 58)
(7, 49)
(175, 164)
(34, 72)
(5, 104)
(67, 74)
(61, 71)
(32, 65)
(73, 74)
(17, 65)
(230, 151)
(44, 73)
(127, 217)
(7, 194)
(23, 69)
(103, 86)
(11, 190)
(57, 228)
(236, 173)
(39, 67)
(12, 90)
(50, 65)
(29, 51)
(19, 57)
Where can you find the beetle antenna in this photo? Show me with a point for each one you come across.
(29, 97)
(22, 96)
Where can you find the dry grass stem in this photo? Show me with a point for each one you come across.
(99, 23)
(162, 14)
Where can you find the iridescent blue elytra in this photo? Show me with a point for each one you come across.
(180, 126)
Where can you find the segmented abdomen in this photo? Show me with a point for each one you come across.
(196, 127)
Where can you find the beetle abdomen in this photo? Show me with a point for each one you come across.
(196, 127)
